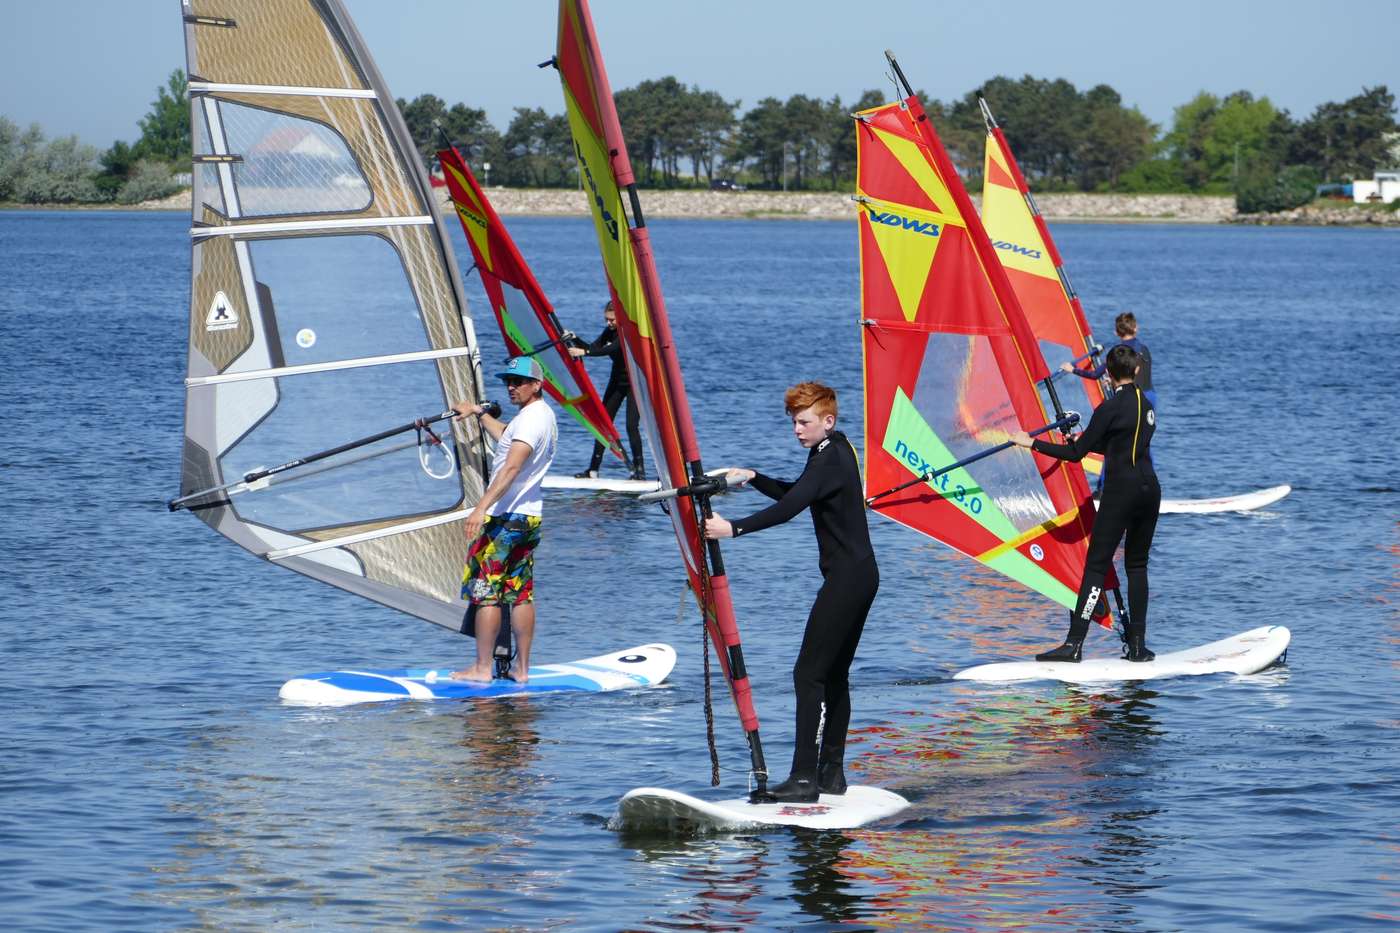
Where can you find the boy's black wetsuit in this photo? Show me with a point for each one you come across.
(830, 486)
(1121, 429)
(619, 389)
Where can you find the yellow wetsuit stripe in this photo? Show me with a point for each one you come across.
(1137, 427)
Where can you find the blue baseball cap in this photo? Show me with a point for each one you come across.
(523, 367)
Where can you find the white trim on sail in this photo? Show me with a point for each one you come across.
(290, 226)
(329, 366)
(385, 532)
(197, 87)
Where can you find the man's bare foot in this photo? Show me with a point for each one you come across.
(476, 673)
(518, 674)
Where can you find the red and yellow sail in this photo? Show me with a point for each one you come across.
(522, 311)
(952, 367)
(1036, 273)
(651, 356)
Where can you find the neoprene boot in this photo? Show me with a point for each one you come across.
(798, 788)
(1074, 643)
(831, 778)
(638, 471)
(1137, 649)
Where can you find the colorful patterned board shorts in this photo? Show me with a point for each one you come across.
(501, 565)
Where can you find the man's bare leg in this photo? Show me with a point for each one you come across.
(522, 629)
(488, 624)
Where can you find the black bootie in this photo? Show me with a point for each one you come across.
(638, 470)
(798, 788)
(1136, 648)
(831, 778)
(1074, 644)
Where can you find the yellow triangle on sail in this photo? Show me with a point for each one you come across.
(473, 221)
(913, 160)
(907, 241)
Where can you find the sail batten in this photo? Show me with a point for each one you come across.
(324, 305)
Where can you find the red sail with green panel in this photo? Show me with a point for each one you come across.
(523, 312)
(952, 367)
(625, 244)
(1036, 273)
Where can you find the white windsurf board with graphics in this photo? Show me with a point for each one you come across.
(1245, 653)
(658, 809)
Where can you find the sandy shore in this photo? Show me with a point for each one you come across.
(1069, 207)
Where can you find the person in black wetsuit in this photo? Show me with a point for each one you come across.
(1126, 326)
(619, 390)
(1121, 429)
(830, 486)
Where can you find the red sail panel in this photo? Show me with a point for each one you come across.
(1036, 272)
(646, 332)
(522, 311)
(952, 367)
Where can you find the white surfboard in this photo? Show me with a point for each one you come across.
(642, 666)
(1244, 502)
(612, 484)
(1245, 653)
(657, 809)
(617, 484)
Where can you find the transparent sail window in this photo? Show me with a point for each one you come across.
(961, 395)
(318, 411)
(207, 190)
(1071, 389)
(290, 165)
(336, 298)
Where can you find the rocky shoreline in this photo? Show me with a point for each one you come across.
(1066, 207)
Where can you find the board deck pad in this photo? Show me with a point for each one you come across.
(1246, 653)
(657, 809)
(642, 666)
(1244, 502)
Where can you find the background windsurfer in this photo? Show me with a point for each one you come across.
(830, 485)
(1126, 326)
(1121, 429)
(504, 528)
(619, 390)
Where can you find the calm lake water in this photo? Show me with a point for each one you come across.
(150, 778)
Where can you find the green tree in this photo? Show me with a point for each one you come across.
(467, 127)
(1350, 139)
(59, 172)
(807, 134)
(1115, 139)
(762, 132)
(148, 180)
(165, 131)
(537, 150)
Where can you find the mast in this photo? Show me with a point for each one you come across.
(607, 174)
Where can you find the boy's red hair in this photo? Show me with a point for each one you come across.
(814, 395)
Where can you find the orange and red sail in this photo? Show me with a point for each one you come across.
(1036, 273)
(522, 311)
(953, 367)
(625, 244)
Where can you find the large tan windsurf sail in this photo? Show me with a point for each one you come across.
(328, 334)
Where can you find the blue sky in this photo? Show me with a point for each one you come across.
(91, 67)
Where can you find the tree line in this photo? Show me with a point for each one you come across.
(1065, 139)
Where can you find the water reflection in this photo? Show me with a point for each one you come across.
(1032, 809)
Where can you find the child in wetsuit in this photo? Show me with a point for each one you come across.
(830, 486)
(1121, 429)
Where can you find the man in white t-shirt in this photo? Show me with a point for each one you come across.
(504, 528)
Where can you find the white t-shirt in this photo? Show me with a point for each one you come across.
(535, 425)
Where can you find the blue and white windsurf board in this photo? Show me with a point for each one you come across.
(643, 666)
(658, 809)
